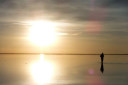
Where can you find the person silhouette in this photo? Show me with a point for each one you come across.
(102, 57)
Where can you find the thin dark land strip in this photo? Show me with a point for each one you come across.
(58, 54)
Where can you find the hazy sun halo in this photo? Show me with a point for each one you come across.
(42, 33)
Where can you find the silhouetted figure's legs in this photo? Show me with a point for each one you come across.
(102, 67)
(102, 57)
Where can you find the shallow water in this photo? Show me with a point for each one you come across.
(68, 69)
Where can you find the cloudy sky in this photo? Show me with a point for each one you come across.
(84, 26)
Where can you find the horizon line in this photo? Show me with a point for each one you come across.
(68, 53)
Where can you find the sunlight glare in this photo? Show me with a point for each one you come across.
(42, 33)
(42, 71)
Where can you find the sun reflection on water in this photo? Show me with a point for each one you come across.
(42, 71)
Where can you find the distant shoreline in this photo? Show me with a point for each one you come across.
(60, 54)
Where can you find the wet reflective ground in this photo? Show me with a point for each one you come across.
(72, 69)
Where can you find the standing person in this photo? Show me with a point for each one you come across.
(102, 57)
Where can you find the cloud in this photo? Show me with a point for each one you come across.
(68, 10)
(116, 3)
(77, 12)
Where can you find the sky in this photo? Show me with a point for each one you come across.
(84, 26)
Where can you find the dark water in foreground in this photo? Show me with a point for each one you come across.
(72, 69)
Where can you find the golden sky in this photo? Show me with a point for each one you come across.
(80, 26)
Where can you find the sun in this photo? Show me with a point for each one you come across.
(42, 33)
(42, 71)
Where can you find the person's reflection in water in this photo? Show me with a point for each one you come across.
(102, 67)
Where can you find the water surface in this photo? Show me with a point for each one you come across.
(68, 69)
